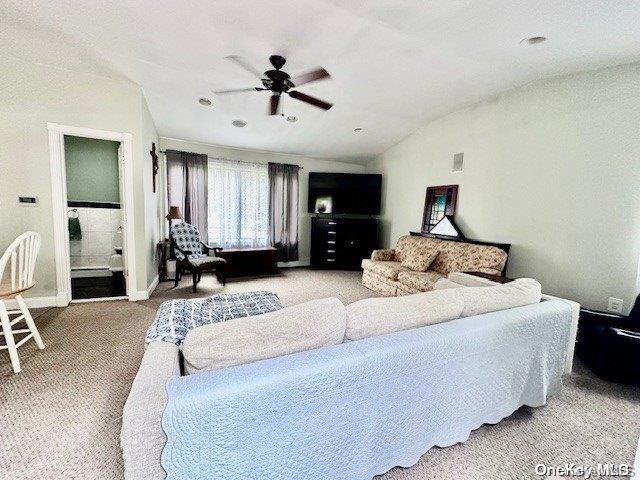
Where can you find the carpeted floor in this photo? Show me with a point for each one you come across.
(60, 418)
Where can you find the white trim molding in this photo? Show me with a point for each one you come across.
(153, 285)
(59, 202)
(35, 302)
(145, 294)
(99, 299)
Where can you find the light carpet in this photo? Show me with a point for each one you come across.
(60, 418)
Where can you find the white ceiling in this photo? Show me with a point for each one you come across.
(395, 63)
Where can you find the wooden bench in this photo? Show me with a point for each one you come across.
(242, 262)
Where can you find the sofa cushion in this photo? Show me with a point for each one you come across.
(468, 280)
(377, 316)
(306, 326)
(206, 261)
(385, 255)
(382, 285)
(460, 257)
(479, 300)
(419, 261)
(421, 281)
(445, 283)
(411, 245)
(402, 289)
(384, 269)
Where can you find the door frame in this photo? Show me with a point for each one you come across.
(59, 202)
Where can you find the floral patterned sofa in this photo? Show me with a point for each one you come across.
(417, 263)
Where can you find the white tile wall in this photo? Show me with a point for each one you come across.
(99, 226)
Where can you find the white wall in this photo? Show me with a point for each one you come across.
(308, 164)
(32, 94)
(152, 200)
(552, 168)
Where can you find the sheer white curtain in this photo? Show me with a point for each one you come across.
(238, 204)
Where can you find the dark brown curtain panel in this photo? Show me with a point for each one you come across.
(283, 210)
(187, 185)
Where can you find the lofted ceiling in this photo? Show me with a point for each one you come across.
(395, 64)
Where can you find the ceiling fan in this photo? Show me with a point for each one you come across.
(278, 82)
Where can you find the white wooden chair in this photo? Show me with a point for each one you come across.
(20, 257)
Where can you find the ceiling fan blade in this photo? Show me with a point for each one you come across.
(275, 103)
(243, 64)
(310, 76)
(316, 102)
(237, 90)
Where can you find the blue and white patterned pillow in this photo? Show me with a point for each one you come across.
(176, 317)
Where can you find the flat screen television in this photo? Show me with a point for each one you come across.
(348, 193)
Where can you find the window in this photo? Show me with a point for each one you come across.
(238, 204)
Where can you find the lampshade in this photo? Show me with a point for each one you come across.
(174, 213)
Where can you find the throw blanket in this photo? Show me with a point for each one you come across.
(356, 410)
(176, 317)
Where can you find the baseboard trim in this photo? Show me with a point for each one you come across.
(153, 285)
(35, 302)
(303, 262)
(140, 295)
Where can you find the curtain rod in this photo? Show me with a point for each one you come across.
(229, 160)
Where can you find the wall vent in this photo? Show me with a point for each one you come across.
(458, 159)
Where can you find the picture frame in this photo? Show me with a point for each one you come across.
(440, 201)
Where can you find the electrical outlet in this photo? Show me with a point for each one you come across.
(615, 305)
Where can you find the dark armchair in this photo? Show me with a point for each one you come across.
(193, 255)
(609, 344)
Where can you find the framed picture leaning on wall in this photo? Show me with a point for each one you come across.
(439, 201)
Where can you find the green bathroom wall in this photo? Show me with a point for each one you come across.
(92, 169)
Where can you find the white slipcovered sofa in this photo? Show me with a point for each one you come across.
(309, 414)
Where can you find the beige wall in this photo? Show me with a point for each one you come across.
(552, 168)
(32, 94)
(152, 200)
(309, 165)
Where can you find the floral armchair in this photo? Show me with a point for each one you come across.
(193, 255)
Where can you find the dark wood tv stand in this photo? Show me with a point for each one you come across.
(340, 243)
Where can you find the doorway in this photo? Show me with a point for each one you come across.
(91, 186)
(94, 216)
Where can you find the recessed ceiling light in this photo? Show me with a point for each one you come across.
(292, 118)
(357, 130)
(205, 101)
(534, 40)
(239, 123)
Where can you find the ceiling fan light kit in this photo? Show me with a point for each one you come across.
(279, 82)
